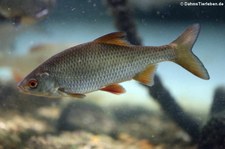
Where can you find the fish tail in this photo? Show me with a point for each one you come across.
(184, 55)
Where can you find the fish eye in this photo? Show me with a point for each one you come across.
(33, 83)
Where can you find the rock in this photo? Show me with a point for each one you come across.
(142, 123)
(80, 115)
(9, 140)
(124, 113)
(83, 140)
(16, 129)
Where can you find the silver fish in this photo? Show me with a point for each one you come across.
(26, 11)
(107, 61)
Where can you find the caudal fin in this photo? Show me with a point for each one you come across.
(184, 56)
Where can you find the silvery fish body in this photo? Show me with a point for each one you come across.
(91, 66)
(107, 61)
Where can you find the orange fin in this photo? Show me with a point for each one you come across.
(115, 38)
(114, 88)
(76, 95)
(147, 76)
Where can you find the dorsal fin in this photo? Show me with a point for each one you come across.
(115, 38)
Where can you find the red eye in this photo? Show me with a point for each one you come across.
(33, 83)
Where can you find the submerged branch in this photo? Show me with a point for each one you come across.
(173, 110)
(215, 125)
(218, 105)
(125, 22)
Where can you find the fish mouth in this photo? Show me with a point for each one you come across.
(21, 87)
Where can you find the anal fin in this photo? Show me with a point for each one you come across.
(147, 76)
(114, 89)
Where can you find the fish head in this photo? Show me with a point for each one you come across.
(39, 84)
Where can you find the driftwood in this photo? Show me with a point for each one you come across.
(125, 22)
(218, 105)
(213, 133)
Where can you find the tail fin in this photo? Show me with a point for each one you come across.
(184, 56)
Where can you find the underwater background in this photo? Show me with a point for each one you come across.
(179, 111)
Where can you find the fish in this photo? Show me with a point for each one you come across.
(107, 61)
(26, 12)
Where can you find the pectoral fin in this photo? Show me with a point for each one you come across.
(76, 95)
(147, 76)
(114, 89)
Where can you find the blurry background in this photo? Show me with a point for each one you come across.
(73, 22)
(33, 30)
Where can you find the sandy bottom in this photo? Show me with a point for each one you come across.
(41, 123)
